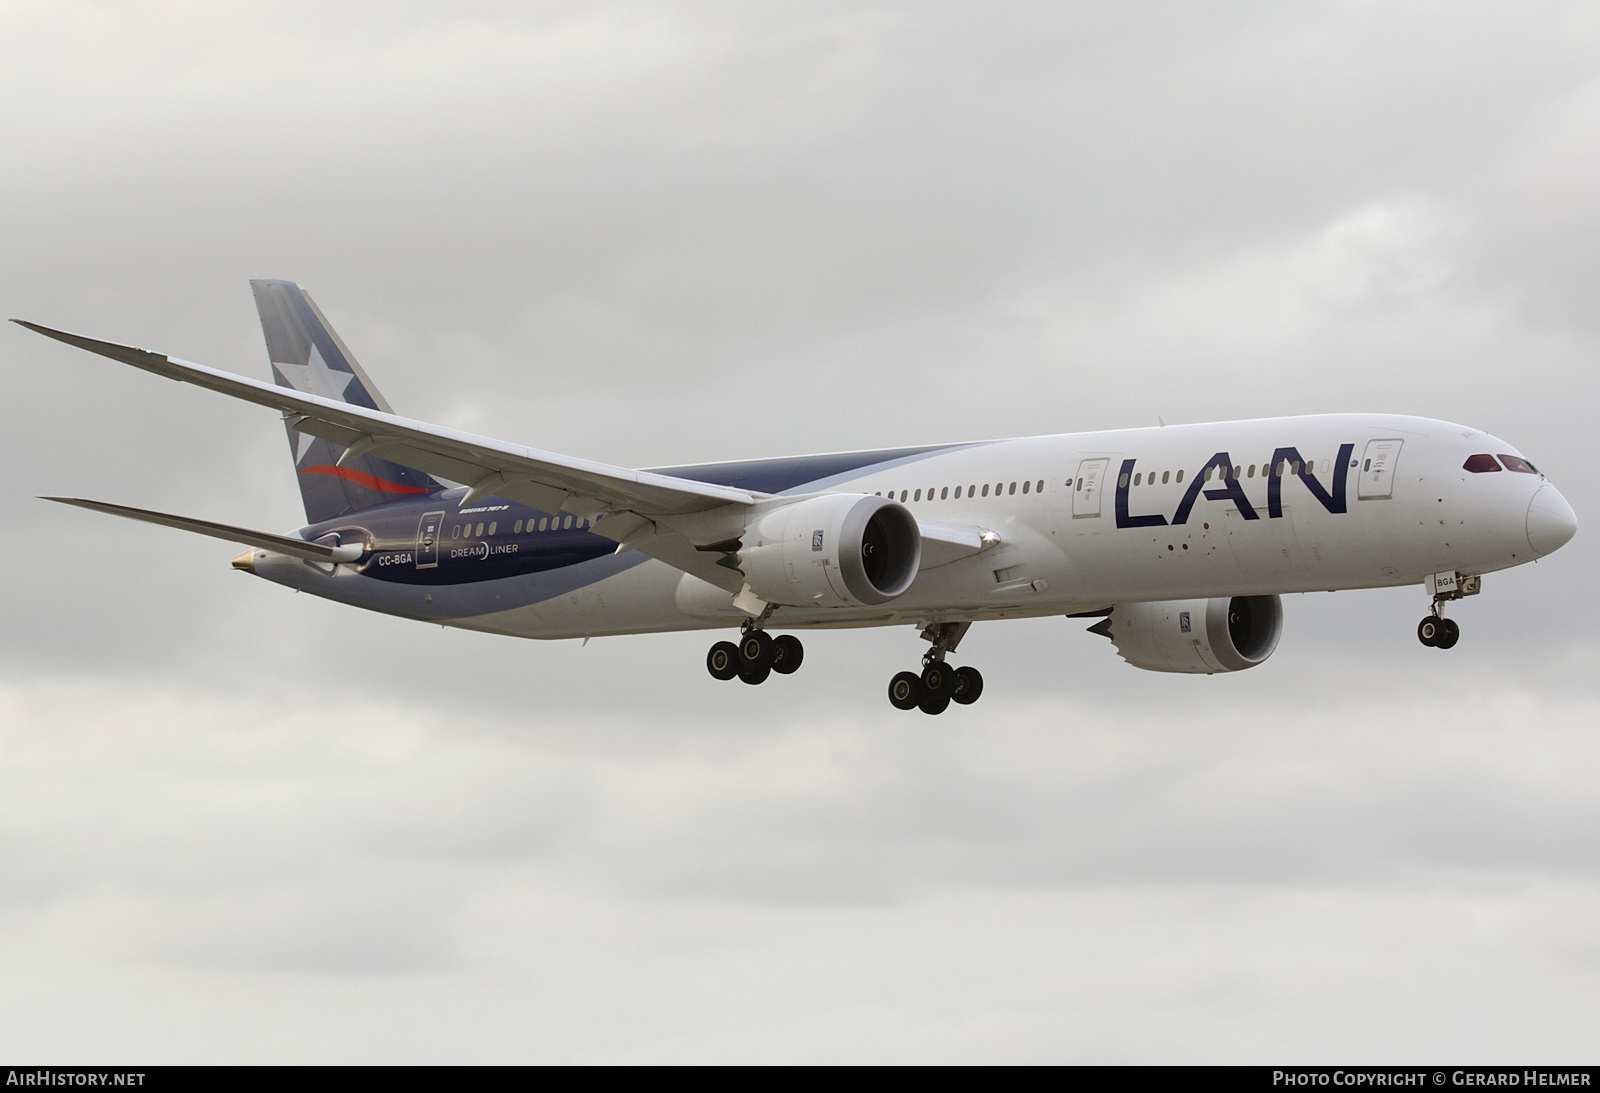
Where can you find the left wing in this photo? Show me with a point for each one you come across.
(634, 507)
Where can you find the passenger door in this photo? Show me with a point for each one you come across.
(1376, 482)
(428, 539)
(1086, 489)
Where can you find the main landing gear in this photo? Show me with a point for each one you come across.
(938, 684)
(756, 655)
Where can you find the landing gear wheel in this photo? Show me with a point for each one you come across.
(755, 651)
(787, 653)
(934, 704)
(1429, 631)
(723, 660)
(1449, 633)
(938, 681)
(755, 674)
(905, 691)
(969, 685)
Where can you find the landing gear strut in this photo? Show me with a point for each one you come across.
(938, 684)
(757, 654)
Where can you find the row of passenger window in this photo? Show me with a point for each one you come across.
(1000, 489)
(546, 523)
(1140, 478)
(1280, 468)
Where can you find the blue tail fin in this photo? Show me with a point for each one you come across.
(308, 356)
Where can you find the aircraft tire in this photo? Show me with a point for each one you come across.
(787, 653)
(1428, 631)
(969, 685)
(756, 674)
(905, 691)
(939, 679)
(934, 704)
(723, 660)
(755, 650)
(1449, 634)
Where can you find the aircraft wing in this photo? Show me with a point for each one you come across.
(945, 543)
(632, 500)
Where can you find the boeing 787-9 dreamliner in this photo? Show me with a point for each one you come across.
(1179, 541)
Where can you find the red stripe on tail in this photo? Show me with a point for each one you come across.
(362, 478)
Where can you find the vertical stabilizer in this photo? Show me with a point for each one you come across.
(308, 356)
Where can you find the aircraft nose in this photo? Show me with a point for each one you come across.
(1551, 521)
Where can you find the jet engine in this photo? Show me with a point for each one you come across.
(836, 550)
(1217, 635)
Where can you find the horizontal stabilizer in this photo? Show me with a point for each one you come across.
(265, 540)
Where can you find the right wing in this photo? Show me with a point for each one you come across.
(635, 508)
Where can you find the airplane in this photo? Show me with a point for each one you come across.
(1180, 541)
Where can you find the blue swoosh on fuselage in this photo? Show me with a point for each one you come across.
(512, 568)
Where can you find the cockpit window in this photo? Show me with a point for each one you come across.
(1517, 463)
(1478, 464)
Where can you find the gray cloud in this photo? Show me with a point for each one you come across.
(966, 890)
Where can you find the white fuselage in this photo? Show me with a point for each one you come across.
(1090, 537)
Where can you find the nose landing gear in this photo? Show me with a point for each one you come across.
(937, 685)
(1436, 631)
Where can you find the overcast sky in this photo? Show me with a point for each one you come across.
(239, 824)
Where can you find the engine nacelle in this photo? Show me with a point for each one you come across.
(1217, 635)
(837, 550)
